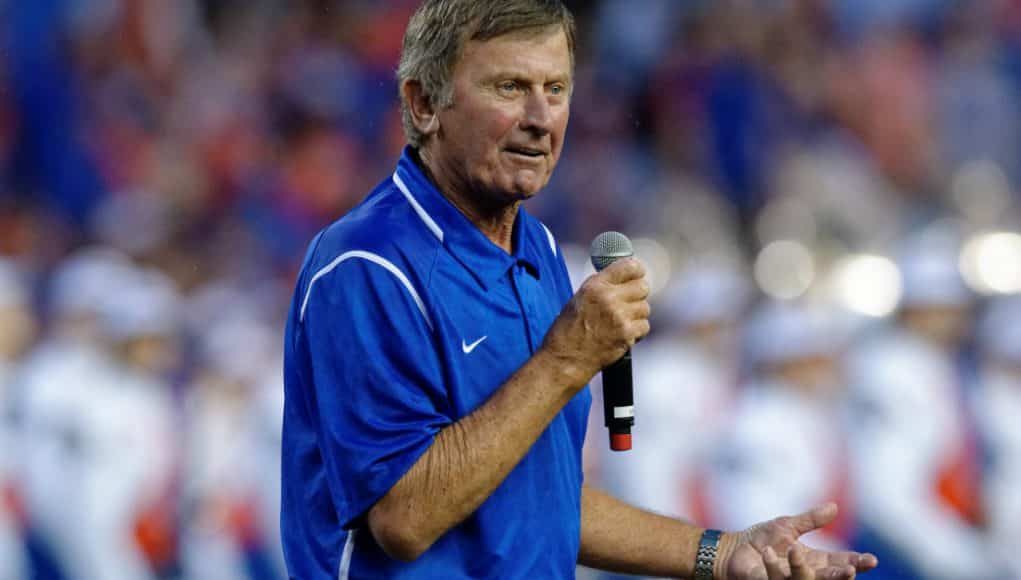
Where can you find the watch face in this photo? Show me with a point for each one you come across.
(706, 556)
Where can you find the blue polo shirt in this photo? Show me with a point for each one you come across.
(405, 319)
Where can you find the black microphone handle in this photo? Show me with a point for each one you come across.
(619, 402)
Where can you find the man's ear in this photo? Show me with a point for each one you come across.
(423, 114)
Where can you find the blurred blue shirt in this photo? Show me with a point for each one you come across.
(405, 319)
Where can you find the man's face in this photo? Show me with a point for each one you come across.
(503, 134)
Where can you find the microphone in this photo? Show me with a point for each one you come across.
(618, 391)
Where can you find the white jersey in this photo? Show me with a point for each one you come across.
(98, 448)
(216, 481)
(998, 407)
(267, 420)
(680, 395)
(55, 383)
(129, 439)
(233, 479)
(909, 429)
(12, 552)
(783, 453)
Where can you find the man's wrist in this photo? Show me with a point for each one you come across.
(566, 371)
(724, 550)
(707, 554)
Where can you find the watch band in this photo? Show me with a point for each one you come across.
(706, 557)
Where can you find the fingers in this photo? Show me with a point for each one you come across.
(837, 573)
(796, 565)
(800, 570)
(858, 561)
(631, 318)
(638, 310)
(629, 291)
(865, 562)
(813, 519)
(639, 329)
(636, 290)
(624, 270)
(774, 565)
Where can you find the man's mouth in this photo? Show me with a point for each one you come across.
(527, 151)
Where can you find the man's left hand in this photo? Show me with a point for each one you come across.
(771, 551)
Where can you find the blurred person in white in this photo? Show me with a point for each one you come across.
(785, 446)
(125, 486)
(233, 416)
(997, 401)
(916, 459)
(98, 419)
(17, 331)
(55, 381)
(267, 422)
(686, 378)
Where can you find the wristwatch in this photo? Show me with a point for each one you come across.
(706, 556)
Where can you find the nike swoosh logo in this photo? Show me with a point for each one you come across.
(467, 348)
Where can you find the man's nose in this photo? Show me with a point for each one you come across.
(538, 114)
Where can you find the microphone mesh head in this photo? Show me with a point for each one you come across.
(608, 247)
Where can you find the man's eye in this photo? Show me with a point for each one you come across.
(508, 87)
(556, 90)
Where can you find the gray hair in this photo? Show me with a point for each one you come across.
(440, 29)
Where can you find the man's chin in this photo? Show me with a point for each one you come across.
(525, 193)
(528, 185)
(515, 189)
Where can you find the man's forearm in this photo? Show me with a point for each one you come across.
(471, 457)
(621, 538)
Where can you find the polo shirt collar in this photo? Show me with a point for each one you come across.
(486, 261)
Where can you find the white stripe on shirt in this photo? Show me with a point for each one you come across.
(429, 222)
(345, 559)
(376, 259)
(552, 240)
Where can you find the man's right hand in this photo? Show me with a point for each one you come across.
(608, 314)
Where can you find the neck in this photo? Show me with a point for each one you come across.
(493, 217)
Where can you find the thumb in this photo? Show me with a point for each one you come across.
(814, 518)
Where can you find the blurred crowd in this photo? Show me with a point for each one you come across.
(825, 192)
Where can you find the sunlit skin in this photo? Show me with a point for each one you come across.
(498, 143)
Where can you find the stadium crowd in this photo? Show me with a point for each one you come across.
(825, 192)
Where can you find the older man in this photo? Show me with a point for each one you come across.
(436, 360)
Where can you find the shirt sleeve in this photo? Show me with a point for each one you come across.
(376, 380)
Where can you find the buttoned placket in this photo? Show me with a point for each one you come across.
(526, 289)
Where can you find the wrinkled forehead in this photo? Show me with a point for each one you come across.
(475, 35)
(535, 50)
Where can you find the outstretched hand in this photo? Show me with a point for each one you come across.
(771, 551)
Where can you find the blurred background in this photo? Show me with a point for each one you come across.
(825, 192)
